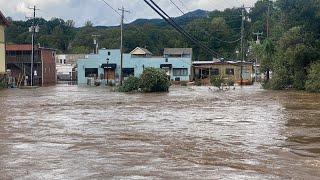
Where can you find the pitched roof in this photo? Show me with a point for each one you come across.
(177, 51)
(3, 19)
(140, 51)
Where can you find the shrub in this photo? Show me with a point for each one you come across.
(129, 85)
(198, 82)
(154, 80)
(216, 81)
(2, 82)
(280, 79)
(299, 80)
(277, 82)
(111, 84)
(230, 82)
(313, 81)
(2, 85)
(184, 84)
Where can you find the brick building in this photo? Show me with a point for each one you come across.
(18, 60)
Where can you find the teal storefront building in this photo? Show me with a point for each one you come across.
(105, 66)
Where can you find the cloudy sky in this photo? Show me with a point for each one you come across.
(100, 14)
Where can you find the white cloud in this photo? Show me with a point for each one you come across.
(100, 14)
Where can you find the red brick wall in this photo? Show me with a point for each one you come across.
(49, 66)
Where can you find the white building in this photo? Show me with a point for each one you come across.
(66, 66)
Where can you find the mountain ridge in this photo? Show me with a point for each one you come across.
(190, 16)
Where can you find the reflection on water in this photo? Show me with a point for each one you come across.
(69, 132)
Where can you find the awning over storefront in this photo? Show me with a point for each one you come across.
(166, 66)
(109, 66)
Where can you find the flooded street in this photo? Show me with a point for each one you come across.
(70, 132)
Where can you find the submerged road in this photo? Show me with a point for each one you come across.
(70, 132)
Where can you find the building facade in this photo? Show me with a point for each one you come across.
(105, 66)
(231, 70)
(18, 60)
(66, 66)
(3, 24)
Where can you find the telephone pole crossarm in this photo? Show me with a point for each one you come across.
(258, 34)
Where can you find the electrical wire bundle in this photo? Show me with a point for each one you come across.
(177, 27)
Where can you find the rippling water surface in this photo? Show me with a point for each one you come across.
(70, 132)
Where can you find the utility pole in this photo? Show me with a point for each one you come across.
(242, 44)
(258, 34)
(256, 59)
(268, 34)
(95, 42)
(268, 20)
(121, 44)
(33, 29)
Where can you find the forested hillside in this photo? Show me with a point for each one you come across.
(290, 51)
(213, 28)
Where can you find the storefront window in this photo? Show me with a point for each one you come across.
(91, 72)
(180, 71)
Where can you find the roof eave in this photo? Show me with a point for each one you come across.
(4, 20)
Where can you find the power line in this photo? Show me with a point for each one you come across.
(168, 19)
(228, 42)
(184, 5)
(177, 7)
(111, 7)
(122, 25)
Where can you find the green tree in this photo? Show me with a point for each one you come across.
(130, 85)
(154, 80)
(295, 49)
(313, 82)
(88, 24)
(217, 81)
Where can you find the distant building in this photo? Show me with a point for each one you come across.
(3, 24)
(66, 66)
(178, 52)
(226, 69)
(18, 59)
(140, 52)
(106, 65)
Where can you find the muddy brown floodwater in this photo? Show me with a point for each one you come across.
(70, 132)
